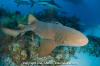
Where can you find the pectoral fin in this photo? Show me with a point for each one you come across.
(46, 46)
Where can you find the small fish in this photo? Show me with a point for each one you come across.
(46, 3)
(52, 35)
(18, 2)
(32, 3)
(51, 3)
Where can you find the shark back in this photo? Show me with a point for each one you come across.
(46, 30)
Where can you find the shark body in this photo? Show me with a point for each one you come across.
(52, 35)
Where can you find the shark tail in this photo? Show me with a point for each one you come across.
(10, 32)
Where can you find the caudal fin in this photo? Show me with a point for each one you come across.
(10, 32)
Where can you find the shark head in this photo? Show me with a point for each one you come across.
(75, 38)
(83, 40)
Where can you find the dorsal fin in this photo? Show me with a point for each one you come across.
(31, 19)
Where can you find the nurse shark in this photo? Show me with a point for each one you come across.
(52, 35)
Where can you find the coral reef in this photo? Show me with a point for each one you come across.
(26, 50)
(6, 61)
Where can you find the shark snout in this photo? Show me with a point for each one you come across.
(84, 41)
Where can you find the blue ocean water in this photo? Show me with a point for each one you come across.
(87, 10)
